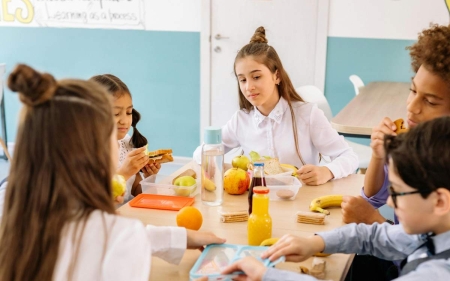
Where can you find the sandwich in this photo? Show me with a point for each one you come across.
(272, 167)
(161, 155)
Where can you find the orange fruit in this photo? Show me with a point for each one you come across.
(190, 218)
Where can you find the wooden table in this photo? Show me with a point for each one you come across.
(375, 101)
(283, 215)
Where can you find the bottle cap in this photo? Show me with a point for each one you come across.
(260, 190)
(213, 135)
(258, 164)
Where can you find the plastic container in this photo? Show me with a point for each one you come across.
(212, 167)
(216, 257)
(161, 184)
(282, 183)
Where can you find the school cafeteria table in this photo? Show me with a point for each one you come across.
(283, 215)
(375, 101)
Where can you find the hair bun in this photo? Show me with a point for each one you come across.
(34, 88)
(259, 36)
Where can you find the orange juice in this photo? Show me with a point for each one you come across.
(259, 226)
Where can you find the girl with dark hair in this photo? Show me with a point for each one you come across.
(132, 157)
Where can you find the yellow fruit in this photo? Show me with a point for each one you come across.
(290, 167)
(208, 184)
(119, 185)
(187, 186)
(269, 242)
(318, 204)
(190, 218)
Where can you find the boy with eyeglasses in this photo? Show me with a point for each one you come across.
(419, 172)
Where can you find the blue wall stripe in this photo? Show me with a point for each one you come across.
(162, 70)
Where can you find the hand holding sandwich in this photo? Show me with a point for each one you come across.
(152, 168)
(134, 161)
(386, 127)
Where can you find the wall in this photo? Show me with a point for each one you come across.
(368, 38)
(161, 66)
(161, 63)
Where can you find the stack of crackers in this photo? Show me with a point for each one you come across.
(233, 216)
(310, 217)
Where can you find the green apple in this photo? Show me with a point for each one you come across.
(184, 181)
(241, 162)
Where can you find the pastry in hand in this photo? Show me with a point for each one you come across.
(399, 123)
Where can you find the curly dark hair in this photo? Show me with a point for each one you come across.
(433, 51)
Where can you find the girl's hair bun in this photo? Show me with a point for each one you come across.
(34, 88)
(259, 36)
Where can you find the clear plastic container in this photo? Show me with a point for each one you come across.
(276, 184)
(216, 257)
(161, 184)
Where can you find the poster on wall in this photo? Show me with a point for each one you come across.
(117, 14)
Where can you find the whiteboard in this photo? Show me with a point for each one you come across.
(167, 15)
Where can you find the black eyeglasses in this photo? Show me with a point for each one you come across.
(395, 194)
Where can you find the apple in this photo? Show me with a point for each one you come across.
(236, 181)
(184, 181)
(240, 161)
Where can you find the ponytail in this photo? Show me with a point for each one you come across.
(137, 140)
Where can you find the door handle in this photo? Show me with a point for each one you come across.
(220, 37)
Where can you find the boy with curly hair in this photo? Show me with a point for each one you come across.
(429, 98)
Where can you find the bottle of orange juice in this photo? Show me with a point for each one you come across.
(259, 226)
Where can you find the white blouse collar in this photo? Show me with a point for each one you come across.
(276, 114)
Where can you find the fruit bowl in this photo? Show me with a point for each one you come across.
(161, 184)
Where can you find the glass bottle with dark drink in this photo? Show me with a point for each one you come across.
(257, 180)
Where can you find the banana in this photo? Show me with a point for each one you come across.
(318, 204)
(208, 184)
(290, 167)
(269, 242)
(119, 185)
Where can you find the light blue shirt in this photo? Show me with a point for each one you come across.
(383, 241)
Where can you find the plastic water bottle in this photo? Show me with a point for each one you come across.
(212, 167)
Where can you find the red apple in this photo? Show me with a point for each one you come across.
(236, 181)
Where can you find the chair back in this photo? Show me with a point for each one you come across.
(310, 93)
(357, 83)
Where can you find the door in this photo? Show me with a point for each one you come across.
(293, 27)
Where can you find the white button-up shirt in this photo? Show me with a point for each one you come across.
(115, 248)
(273, 136)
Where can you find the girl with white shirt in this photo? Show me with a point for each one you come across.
(59, 221)
(274, 120)
(131, 160)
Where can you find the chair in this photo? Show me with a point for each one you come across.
(2, 108)
(312, 94)
(357, 83)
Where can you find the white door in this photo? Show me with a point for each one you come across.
(293, 27)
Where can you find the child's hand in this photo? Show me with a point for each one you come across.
(254, 270)
(358, 210)
(314, 175)
(152, 168)
(133, 163)
(119, 199)
(295, 249)
(198, 239)
(386, 127)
